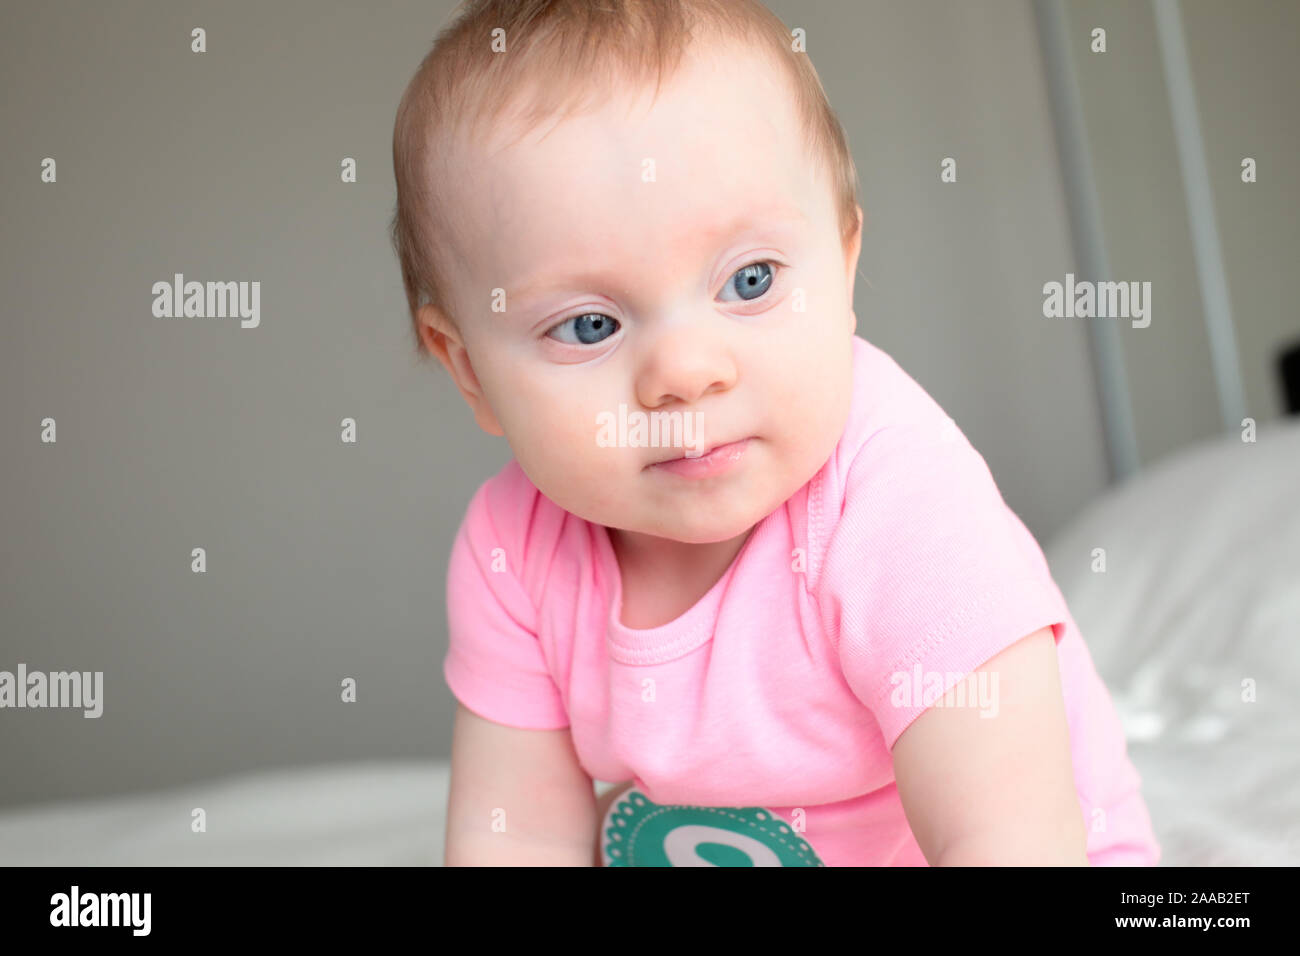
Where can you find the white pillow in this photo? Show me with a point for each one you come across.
(1194, 625)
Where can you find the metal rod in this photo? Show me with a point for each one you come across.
(1200, 210)
(1089, 239)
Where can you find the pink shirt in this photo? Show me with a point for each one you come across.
(787, 684)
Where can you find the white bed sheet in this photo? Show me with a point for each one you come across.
(1201, 591)
(352, 814)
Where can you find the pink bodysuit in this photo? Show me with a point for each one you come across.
(757, 726)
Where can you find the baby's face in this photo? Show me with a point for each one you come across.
(621, 240)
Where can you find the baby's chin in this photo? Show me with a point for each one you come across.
(685, 521)
(697, 521)
(708, 531)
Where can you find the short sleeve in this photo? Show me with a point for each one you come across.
(495, 665)
(927, 573)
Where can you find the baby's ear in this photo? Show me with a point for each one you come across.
(442, 339)
(438, 335)
(853, 246)
(433, 326)
(852, 249)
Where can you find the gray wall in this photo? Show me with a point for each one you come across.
(1245, 63)
(327, 560)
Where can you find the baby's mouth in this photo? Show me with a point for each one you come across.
(702, 460)
(691, 451)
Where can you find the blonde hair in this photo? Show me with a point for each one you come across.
(557, 50)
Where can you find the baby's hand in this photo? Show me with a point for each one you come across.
(996, 790)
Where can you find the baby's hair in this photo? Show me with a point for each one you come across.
(557, 50)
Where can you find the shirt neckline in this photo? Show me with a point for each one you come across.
(680, 636)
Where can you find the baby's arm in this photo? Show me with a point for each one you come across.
(996, 791)
(530, 781)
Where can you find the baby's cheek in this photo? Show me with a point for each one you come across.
(567, 445)
(573, 427)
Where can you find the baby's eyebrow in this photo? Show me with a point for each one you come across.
(777, 218)
(757, 218)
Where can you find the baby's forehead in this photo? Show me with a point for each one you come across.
(706, 119)
(712, 69)
(718, 138)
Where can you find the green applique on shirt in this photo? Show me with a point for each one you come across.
(638, 832)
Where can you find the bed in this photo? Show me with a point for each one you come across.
(1201, 592)
(1197, 612)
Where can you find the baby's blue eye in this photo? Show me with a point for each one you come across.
(751, 281)
(591, 328)
(587, 329)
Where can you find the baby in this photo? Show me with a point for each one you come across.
(807, 630)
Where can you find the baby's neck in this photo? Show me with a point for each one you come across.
(661, 570)
(663, 579)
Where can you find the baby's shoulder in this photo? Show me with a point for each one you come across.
(507, 499)
(509, 513)
(901, 461)
(889, 402)
(895, 432)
